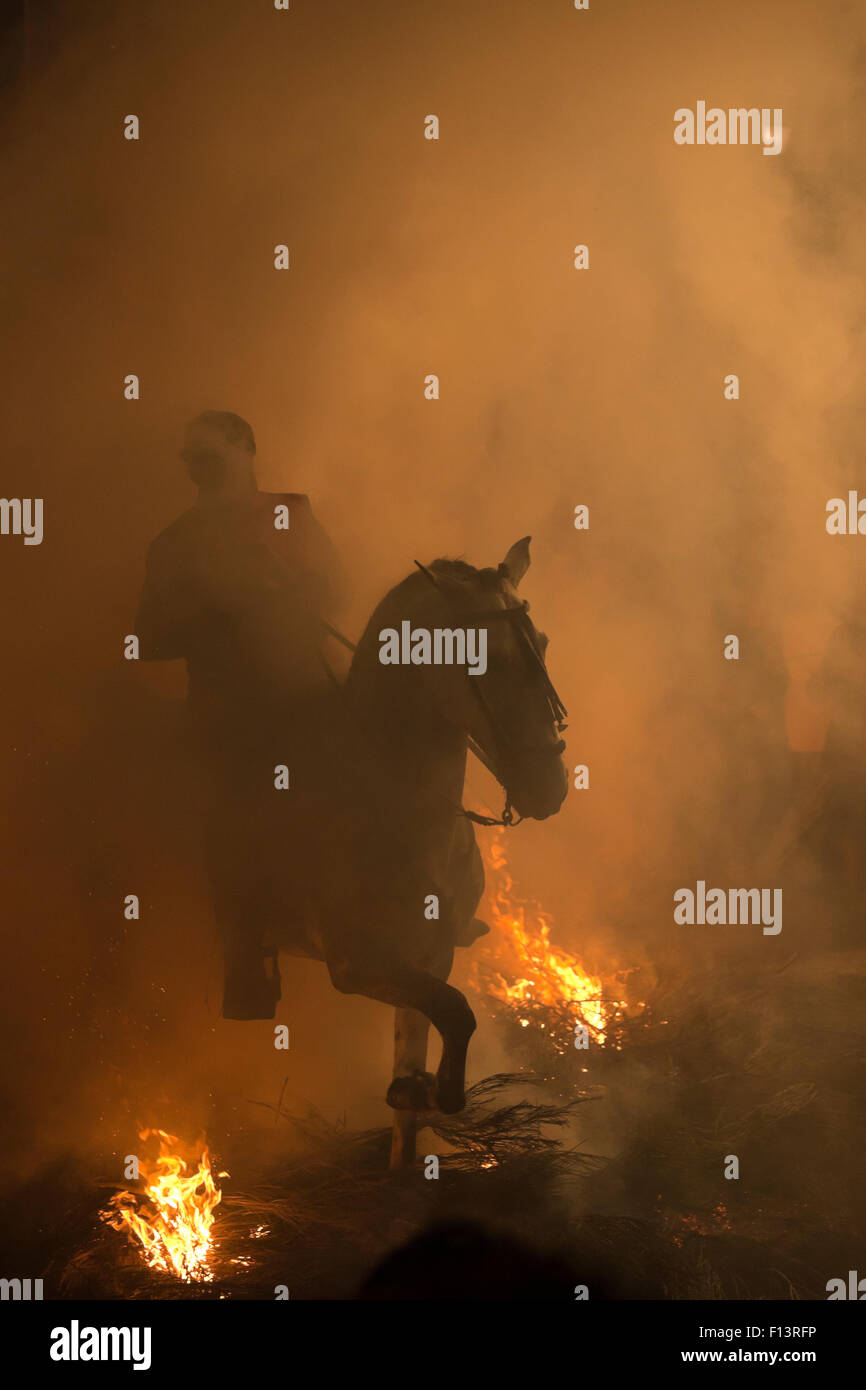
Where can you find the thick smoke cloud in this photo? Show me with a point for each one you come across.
(558, 387)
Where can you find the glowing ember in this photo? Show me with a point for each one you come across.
(708, 1225)
(705, 1226)
(171, 1219)
(519, 966)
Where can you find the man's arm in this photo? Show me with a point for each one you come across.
(309, 560)
(325, 565)
(170, 608)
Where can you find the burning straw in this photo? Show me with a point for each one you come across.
(531, 984)
(317, 1220)
(171, 1218)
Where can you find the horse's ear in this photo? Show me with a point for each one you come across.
(517, 561)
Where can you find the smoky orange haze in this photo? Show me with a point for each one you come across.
(408, 257)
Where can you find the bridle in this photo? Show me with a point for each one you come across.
(518, 616)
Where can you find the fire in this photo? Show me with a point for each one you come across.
(172, 1218)
(707, 1225)
(519, 966)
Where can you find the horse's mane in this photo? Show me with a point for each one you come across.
(401, 600)
(454, 569)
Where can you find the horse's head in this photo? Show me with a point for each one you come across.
(502, 697)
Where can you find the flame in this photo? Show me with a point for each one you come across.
(172, 1218)
(519, 966)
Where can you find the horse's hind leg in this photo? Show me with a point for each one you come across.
(390, 980)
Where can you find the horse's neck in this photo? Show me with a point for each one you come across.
(421, 758)
(412, 759)
(414, 756)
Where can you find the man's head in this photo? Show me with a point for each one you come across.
(219, 450)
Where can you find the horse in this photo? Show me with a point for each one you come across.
(399, 883)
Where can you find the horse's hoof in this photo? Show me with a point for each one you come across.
(415, 1092)
(451, 1104)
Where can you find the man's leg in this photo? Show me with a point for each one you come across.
(238, 887)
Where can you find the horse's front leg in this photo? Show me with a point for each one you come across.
(382, 975)
(410, 1056)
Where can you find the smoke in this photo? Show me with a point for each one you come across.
(558, 387)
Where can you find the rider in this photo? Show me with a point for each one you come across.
(239, 586)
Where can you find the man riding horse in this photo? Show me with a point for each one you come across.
(239, 586)
(365, 858)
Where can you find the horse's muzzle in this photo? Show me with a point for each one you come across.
(536, 785)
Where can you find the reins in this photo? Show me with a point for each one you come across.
(517, 615)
